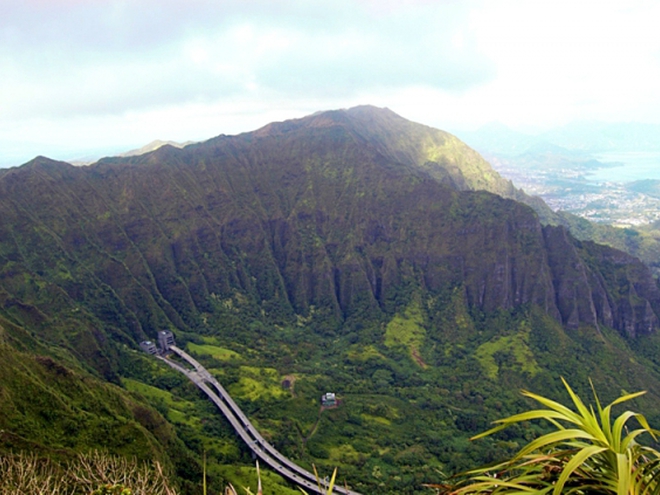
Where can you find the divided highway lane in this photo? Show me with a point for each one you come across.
(248, 433)
(260, 441)
(263, 456)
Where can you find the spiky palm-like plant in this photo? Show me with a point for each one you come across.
(588, 453)
(328, 487)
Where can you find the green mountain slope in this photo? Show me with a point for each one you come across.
(352, 251)
(51, 407)
(298, 214)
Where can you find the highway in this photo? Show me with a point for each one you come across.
(248, 433)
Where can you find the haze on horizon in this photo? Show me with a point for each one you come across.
(89, 77)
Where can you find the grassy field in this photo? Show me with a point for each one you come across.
(208, 349)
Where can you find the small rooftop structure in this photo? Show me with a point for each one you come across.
(149, 347)
(329, 399)
(165, 340)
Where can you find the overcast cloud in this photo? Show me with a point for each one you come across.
(84, 77)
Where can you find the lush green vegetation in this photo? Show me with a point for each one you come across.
(347, 252)
(400, 424)
(587, 452)
(642, 241)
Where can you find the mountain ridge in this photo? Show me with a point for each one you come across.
(428, 159)
(352, 249)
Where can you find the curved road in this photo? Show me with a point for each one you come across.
(248, 433)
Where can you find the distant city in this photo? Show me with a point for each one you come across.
(576, 191)
(612, 181)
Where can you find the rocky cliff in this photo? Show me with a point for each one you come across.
(342, 213)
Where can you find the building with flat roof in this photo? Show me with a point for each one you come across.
(149, 347)
(165, 340)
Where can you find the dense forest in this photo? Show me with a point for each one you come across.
(350, 251)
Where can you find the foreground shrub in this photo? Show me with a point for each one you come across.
(89, 473)
(230, 490)
(588, 453)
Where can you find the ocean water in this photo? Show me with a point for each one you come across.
(632, 166)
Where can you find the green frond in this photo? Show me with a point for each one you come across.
(587, 416)
(645, 424)
(546, 414)
(494, 485)
(332, 481)
(606, 422)
(630, 438)
(530, 415)
(617, 429)
(627, 397)
(576, 400)
(623, 473)
(569, 415)
(490, 432)
(593, 389)
(553, 438)
(577, 460)
(585, 454)
(648, 476)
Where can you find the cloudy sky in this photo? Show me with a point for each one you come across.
(86, 77)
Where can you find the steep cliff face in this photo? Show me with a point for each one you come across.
(337, 213)
(634, 296)
(50, 406)
(599, 285)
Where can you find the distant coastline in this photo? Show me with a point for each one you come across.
(628, 166)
